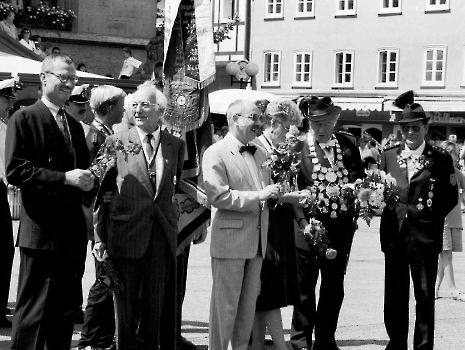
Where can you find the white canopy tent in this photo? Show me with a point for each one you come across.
(20, 65)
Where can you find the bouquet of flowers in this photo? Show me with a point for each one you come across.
(374, 192)
(284, 161)
(317, 238)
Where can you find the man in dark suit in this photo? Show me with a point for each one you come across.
(46, 155)
(138, 230)
(328, 160)
(411, 231)
(7, 248)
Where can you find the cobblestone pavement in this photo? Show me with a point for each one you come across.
(361, 320)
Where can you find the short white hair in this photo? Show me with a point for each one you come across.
(158, 96)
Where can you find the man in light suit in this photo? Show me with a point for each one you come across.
(138, 230)
(45, 156)
(238, 188)
(411, 230)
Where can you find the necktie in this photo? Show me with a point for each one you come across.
(149, 146)
(65, 131)
(248, 148)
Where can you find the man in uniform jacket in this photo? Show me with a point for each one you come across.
(45, 156)
(138, 229)
(411, 231)
(237, 187)
(332, 159)
(98, 330)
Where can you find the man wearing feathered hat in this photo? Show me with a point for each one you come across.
(330, 160)
(7, 95)
(411, 230)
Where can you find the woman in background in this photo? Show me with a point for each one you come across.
(25, 39)
(278, 281)
(452, 235)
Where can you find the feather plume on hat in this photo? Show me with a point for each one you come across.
(411, 111)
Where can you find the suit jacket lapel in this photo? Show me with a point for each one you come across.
(139, 162)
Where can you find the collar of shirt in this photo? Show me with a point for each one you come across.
(415, 152)
(51, 106)
(236, 141)
(143, 135)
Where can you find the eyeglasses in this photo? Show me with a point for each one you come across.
(415, 128)
(254, 117)
(143, 105)
(27, 32)
(64, 78)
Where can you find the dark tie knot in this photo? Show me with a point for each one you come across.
(249, 148)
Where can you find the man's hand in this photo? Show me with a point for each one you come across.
(80, 178)
(201, 238)
(270, 191)
(100, 251)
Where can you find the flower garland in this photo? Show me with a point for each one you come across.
(106, 157)
(329, 193)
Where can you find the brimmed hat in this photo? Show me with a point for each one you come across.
(80, 94)
(7, 88)
(316, 109)
(411, 111)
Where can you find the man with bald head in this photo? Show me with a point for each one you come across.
(46, 157)
(238, 188)
(138, 229)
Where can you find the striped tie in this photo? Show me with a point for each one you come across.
(65, 131)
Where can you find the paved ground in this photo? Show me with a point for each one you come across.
(361, 321)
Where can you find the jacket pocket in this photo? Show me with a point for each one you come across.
(238, 223)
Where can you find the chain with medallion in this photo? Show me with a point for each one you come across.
(328, 182)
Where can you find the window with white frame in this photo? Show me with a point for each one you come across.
(390, 6)
(388, 67)
(271, 68)
(437, 5)
(434, 67)
(305, 8)
(274, 9)
(226, 9)
(346, 7)
(303, 68)
(344, 68)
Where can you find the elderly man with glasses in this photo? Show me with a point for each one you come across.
(138, 230)
(411, 231)
(238, 187)
(46, 157)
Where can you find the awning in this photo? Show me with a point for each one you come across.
(433, 104)
(359, 103)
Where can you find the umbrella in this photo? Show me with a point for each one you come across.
(17, 64)
(221, 99)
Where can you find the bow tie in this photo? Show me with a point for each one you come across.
(249, 148)
(328, 145)
(405, 154)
